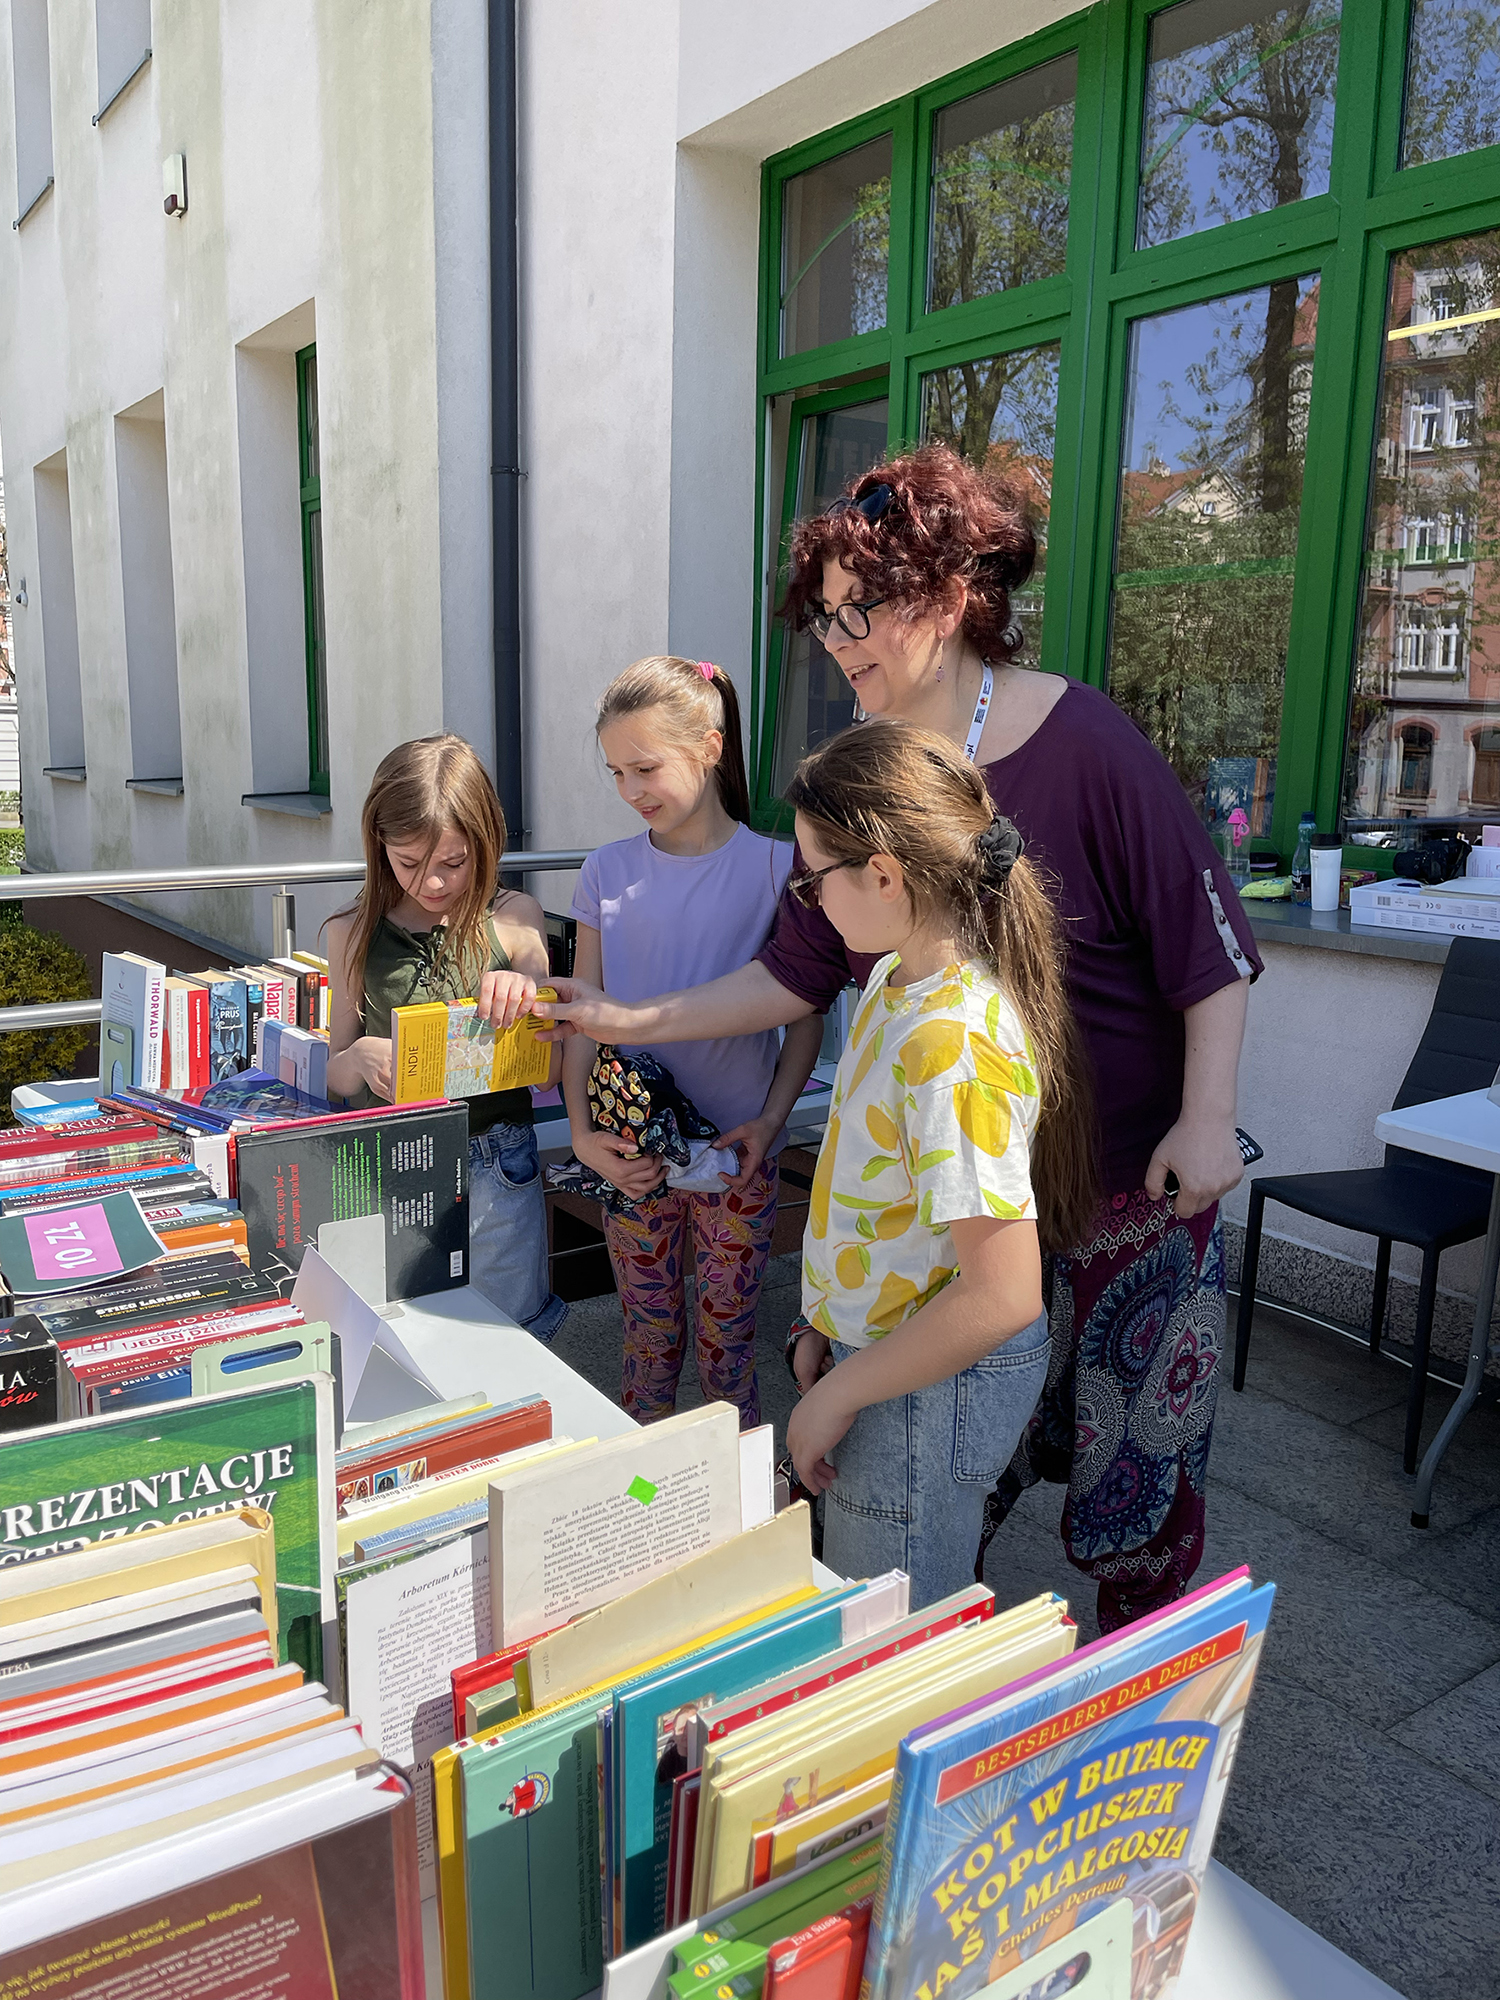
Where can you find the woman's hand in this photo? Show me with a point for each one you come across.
(1205, 1156)
(815, 1427)
(372, 1057)
(812, 1357)
(750, 1140)
(581, 1009)
(503, 997)
(621, 1162)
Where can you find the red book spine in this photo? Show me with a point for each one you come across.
(199, 1074)
(66, 1142)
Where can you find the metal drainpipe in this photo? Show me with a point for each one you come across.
(505, 418)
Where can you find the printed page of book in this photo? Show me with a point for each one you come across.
(568, 1537)
(747, 1573)
(406, 1627)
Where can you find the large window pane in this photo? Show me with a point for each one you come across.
(1001, 162)
(1424, 719)
(1452, 79)
(1239, 112)
(835, 248)
(832, 448)
(1211, 490)
(1001, 412)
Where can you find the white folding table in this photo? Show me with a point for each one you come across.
(1465, 1129)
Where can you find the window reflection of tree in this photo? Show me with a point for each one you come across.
(1199, 658)
(1251, 108)
(1000, 196)
(1000, 411)
(1452, 80)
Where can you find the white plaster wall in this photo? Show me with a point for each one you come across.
(336, 176)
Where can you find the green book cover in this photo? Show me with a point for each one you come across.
(530, 1818)
(67, 1485)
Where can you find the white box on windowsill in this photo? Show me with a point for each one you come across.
(1463, 908)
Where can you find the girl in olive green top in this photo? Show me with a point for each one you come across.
(429, 925)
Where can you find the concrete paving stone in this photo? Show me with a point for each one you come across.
(1461, 1562)
(1393, 1861)
(1336, 1610)
(1315, 1370)
(1328, 1476)
(1473, 1454)
(1460, 1731)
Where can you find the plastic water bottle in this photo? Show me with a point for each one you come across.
(1307, 826)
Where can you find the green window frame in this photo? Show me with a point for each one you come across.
(1345, 239)
(309, 467)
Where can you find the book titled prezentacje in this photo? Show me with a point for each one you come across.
(443, 1049)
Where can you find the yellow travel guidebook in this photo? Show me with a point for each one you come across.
(442, 1049)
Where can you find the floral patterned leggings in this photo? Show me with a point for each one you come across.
(1126, 1418)
(730, 1236)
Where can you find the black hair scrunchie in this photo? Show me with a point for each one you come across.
(999, 849)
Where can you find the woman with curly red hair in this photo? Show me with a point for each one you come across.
(908, 581)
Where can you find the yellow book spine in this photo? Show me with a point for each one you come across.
(419, 1052)
(453, 1899)
(521, 1061)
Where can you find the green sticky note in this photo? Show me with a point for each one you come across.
(640, 1489)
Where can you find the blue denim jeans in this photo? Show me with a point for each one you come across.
(508, 1229)
(914, 1473)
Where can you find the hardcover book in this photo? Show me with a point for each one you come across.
(1020, 1818)
(411, 1166)
(271, 1448)
(443, 1049)
(133, 993)
(28, 1374)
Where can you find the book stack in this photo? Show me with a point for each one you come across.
(180, 1808)
(1055, 1825)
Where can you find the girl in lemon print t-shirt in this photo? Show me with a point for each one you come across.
(958, 1148)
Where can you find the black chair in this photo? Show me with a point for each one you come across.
(1411, 1199)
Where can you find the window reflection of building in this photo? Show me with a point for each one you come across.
(1429, 609)
(1414, 776)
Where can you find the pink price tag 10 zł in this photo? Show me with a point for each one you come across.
(73, 1243)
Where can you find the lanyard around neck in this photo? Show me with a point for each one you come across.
(981, 710)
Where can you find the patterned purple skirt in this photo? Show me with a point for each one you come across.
(1137, 1318)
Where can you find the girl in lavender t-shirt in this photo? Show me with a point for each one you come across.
(687, 900)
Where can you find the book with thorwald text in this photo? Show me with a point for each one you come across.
(443, 1049)
(1031, 1814)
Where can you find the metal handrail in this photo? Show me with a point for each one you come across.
(285, 874)
(282, 877)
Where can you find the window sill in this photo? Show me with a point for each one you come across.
(1330, 930)
(67, 774)
(120, 89)
(167, 788)
(302, 805)
(43, 190)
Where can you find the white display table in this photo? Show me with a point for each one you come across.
(1242, 1946)
(1466, 1130)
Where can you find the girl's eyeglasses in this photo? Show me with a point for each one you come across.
(808, 886)
(852, 618)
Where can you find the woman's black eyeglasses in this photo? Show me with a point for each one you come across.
(853, 618)
(808, 886)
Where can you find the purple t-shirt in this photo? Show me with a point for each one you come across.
(672, 920)
(1152, 922)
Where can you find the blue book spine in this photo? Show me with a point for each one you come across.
(422, 1531)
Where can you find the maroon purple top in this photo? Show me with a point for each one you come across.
(1152, 921)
